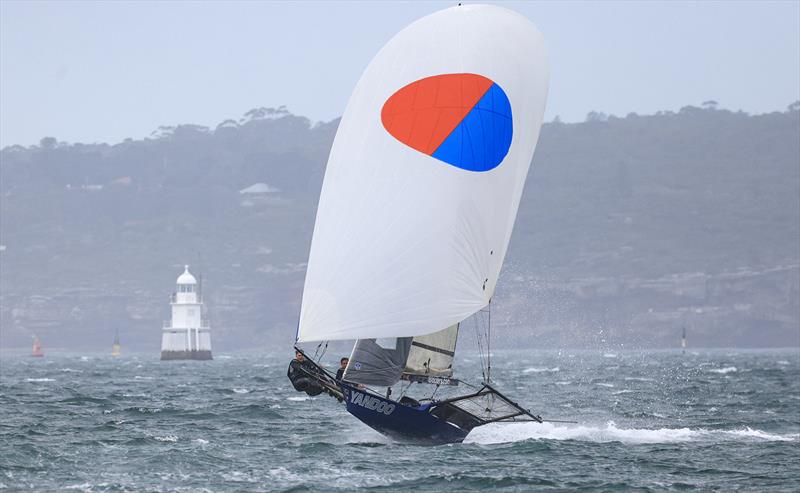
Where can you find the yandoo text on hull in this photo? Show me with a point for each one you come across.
(420, 195)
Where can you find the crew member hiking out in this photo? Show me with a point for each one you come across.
(301, 373)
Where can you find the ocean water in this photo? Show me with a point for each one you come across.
(720, 420)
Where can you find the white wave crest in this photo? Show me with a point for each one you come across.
(299, 399)
(541, 370)
(40, 380)
(513, 432)
(727, 369)
(240, 391)
(283, 474)
(84, 486)
(167, 438)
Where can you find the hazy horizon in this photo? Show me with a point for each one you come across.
(95, 72)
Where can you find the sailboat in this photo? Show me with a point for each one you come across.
(36, 351)
(420, 195)
(683, 341)
(116, 348)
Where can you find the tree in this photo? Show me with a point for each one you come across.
(794, 106)
(48, 143)
(709, 105)
(596, 116)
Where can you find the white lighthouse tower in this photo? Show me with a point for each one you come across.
(187, 335)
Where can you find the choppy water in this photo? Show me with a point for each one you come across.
(649, 421)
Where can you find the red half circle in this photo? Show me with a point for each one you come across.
(423, 113)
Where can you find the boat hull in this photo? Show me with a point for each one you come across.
(401, 422)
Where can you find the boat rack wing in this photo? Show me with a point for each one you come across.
(487, 405)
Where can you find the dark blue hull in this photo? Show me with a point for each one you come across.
(403, 422)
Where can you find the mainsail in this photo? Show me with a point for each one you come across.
(385, 361)
(433, 354)
(409, 237)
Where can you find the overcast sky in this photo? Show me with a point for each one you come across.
(104, 71)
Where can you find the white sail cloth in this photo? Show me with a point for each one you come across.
(405, 244)
(375, 362)
(382, 362)
(432, 354)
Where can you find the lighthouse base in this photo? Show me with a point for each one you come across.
(183, 355)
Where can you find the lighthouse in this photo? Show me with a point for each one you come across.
(186, 335)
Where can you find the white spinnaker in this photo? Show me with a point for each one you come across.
(405, 244)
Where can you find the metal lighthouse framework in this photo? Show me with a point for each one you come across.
(187, 335)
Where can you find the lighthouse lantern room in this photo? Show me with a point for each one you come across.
(187, 335)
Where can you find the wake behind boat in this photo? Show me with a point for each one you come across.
(420, 196)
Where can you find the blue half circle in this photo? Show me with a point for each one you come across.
(482, 139)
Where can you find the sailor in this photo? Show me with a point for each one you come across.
(342, 365)
(300, 373)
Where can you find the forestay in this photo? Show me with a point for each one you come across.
(410, 237)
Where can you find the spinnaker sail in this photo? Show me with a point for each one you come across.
(425, 176)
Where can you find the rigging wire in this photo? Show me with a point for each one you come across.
(434, 391)
(317, 355)
(489, 343)
(480, 347)
(403, 389)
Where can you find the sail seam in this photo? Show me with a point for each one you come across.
(433, 348)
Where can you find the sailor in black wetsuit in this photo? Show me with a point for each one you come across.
(299, 373)
(342, 365)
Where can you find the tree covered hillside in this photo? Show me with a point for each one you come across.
(629, 228)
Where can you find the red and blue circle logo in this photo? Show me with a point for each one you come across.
(460, 119)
